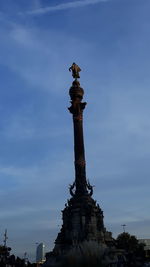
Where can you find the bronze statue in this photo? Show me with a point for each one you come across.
(75, 70)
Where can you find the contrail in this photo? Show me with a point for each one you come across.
(64, 6)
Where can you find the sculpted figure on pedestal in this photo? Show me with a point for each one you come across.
(75, 70)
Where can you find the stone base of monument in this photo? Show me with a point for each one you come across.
(82, 221)
(83, 239)
(83, 254)
(86, 254)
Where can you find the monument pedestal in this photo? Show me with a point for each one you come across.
(82, 221)
(82, 232)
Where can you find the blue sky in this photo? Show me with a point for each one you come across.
(40, 39)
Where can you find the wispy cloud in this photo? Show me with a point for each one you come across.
(64, 6)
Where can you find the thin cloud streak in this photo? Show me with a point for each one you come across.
(64, 6)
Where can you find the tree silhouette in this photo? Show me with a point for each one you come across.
(133, 249)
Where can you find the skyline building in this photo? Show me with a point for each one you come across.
(146, 242)
(40, 253)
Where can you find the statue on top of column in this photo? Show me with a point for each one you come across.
(75, 70)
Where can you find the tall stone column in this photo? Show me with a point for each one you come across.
(76, 93)
(77, 107)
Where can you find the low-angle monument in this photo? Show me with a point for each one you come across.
(83, 224)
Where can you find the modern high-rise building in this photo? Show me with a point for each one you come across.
(40, 253)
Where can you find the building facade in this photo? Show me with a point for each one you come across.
(40, 253)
